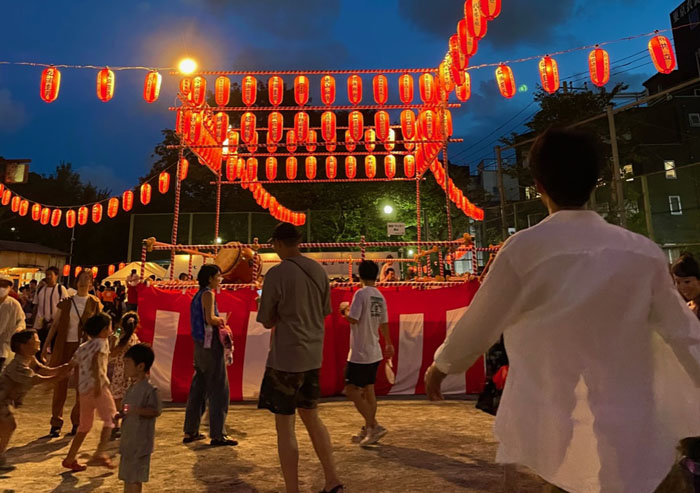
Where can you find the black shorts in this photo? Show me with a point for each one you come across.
(282, 392)
(361, 375)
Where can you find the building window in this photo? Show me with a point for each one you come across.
(694, 119)
(674, 202)
(670, 168)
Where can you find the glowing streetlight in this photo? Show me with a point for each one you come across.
(187, 66)
(410, 253)
(219, 240)
(388, 209)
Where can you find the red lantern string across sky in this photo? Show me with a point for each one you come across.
(662, 54)
(355, 89)
(468, 44)
(249, 90)
(50, 84)
(164, 182)
(222, 90)
(331, 167)
(127, 200)
(301, 89)
(328, 126)
(380, 89)
(112, 207)
(549, 74)
(36, 211)
(476, 22)
(291, 168)
(490, 9)
(599, 67)
(146, 191)
(56, 217)
(83, 214)
(96, 213)
(14, 204)
(23, 207)
(275, 90)
(406, 88)
(151, 86)
(45, 216)
(506, 81)
(105, 84)
(327, 90)
(184, 168)
(350, 167)
(70, 219)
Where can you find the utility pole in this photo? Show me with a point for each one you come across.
(616, 178)
(502, 193)
(647, 208)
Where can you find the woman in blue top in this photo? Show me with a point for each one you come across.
(210, 381)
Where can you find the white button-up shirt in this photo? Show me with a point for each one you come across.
(11, 320)
(604, 354)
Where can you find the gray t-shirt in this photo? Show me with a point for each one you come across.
(296, 304)
(138, 432)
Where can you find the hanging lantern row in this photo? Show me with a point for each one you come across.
(267, 201)
(111, 269)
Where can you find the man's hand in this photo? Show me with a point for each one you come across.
(433, 382)
(388, 350)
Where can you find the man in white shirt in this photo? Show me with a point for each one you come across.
(592, 322)
(11, 317)
(45, 303)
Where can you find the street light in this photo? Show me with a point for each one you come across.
(388, 209)
(187, 66)
(410, 253)
(219, 240)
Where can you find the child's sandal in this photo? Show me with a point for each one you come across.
(73, 466)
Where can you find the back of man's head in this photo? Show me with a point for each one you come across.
(368, 270)
(566, 163)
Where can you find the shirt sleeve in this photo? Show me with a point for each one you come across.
(327, 299)
(153, 400)
(20, 322)
(674, 321)
(22, 375)
(356, 306)
(267, 312)
(488, 315)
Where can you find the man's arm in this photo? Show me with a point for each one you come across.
(388, 346)
(51, 335)
(267, 312)
(209, 313)
(20, 322)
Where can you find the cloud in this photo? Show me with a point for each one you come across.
(14, 114)
(103, 177)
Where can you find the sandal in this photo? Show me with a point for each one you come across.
(73, 466)
(102, 462)
(193, 438)
(337, 489)
(223, 441)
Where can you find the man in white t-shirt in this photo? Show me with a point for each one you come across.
(367, 315)
(45, 303)
(11, 317)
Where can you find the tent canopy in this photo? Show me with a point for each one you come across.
(151, 269)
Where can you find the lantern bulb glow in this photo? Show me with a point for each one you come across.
(187, 66)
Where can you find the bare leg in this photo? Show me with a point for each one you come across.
(133, 487)
(104, 440)
(7, 427)
(288, 451)
(75, 445)
(322, 445)
(371, 400)
(357, 396)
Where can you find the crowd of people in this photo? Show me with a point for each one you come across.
(585, 310)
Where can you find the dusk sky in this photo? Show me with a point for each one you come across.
(110, 144)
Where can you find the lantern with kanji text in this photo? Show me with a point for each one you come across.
(270, 144)
(249, 90)
(222, 90)
(23, 207)
(331, 145)
(112, 207)
(328, 127)
(350, 167)
(251, 168)
(105, 84)
(428, 91)
(83, 215)
(356, 125)
(468, 44)
(390, 166)
(380, 89)
(310, 165)
(445, 77)
(328, 90)
(464, 90)
(231, 168)
(331, 167)
(151, 86)
(184, 168)
(71, 217)
(6, 197)
(50, 84)
(14, 204)
(56, 217)
(382, 124)
(390, 142)
(311, 141)
(350, 143)
(459, 59)
(146, 193)
(406, 88)
(127, 200)
(549, 74)
(662, 54)
(599, 66)
(409, 166)
(301, 126)
(370, 166)
(301, 90)
(427, 124)
(506, 81)
(186, 86)
(291, 168)
(96, 213)
(476, 22)
(408, 124)
(36, 211)
(221, 127)
(199, 90)
(275, 126)
(370, 140)
(291, 141)
(354, 89)
(271, 168)
(275, 90)
(248, 126)
(163, 182)
(490, 9)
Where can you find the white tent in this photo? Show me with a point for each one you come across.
(152, 269)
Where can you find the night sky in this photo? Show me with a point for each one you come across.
(110, 144)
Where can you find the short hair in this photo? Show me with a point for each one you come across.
(141, 353)
(567, 164)
(686, 266)
(390, 269)
(368, 270)
(97, 323)
(52, 269)
(21, 338)
(133, 271)
(183, 276)
(205, 274)
(33, 281)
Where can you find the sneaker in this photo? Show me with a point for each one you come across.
(360, 436)
(374, 435)
(116, 434)
(55, 432)
(73, 431)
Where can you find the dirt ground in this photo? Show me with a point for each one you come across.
(430, 447)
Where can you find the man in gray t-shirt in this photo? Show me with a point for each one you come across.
(294, 303)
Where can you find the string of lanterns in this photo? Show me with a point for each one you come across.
(94, 270)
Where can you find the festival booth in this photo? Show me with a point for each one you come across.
(149, 269)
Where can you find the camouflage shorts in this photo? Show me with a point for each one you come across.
(283, 392)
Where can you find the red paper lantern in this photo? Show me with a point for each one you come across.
(275, 90)
(186, 86)
(50, 84)
(70, 219)
(127, 200)
(549, 74)
(328, 127)
(408, 124)
(6, 197)
(458, 75)
(331, 167)
(248, 127)
(459, 59)
(350, 167)
(105, 84)
(111, 270)
(331, 145)
(45, 216)
(184, 168)
(96, 213)
(390, 166)
(445, 124)
(231, 168)
(249, 90)
(252, 146)
(301, 90)
(468, 44)
(14, 204)
(94, 271)
(506, 81)
(291, 168)
(112, 207)
(291, 140)
(328, 90)
(151, 86)
(356, 125)
(271, 168)
(221, 127)
(464, 90)
(476, 22)
(164, 182)
(265, 201)
(78, 270)
(380, 88)
(56, 217)
(199, 90)
(275, 126)
(406, 88)
(382, 124)
(83, 214)
(310, 165)
(445, 76)
(222, 90)
(662, 54)
(599, 67)
(121, 265)
(23, 207)
(409, 166)
(66, 270)
(390, 142)
(370, 139)
(350, 143)
(271, 146)
(193, 126)
(301, 126)
(240, 169)
(36, 211)
(490, 9)
(427, 123)
(311, 141)
(146, 193)
(355, 89)
(251, 168)
(370, 166)
(428, 91)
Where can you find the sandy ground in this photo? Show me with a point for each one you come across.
(430, 447)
